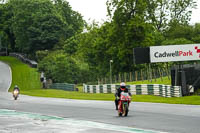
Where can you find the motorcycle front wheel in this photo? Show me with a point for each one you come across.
(119, 113)
(125, 111)
(15, 97)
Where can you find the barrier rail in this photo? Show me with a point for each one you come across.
(154, 89)
(24, 59)
(3, 53)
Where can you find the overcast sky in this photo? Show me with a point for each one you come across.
(96, 10)
(90, 9)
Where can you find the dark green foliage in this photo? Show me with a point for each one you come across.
(196, 35)
(177, 41)
(33, 25)
(41, 54)
(66, 54)
(59, 67)
(62, 68)
(71, 45)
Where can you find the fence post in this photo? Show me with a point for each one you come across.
(141, 74)
(154, 73)
(125, 76)
(168, 71)
(135, 75)
(120, 78)
(160, 73)
(150, 73)
(130, 77)
(102, 81)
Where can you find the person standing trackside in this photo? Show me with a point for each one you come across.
(44, 82)
(42, 77)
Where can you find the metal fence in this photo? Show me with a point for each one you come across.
(137, 76)
(24, 59)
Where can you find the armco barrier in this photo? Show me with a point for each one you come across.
(3, 53)
(24, 59)
(143, 89)
(63, 86)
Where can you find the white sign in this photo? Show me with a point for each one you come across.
(170, 53)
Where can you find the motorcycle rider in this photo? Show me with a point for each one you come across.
(16, 88)
(122, 88)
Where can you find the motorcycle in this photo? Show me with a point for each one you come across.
(15, 94)
(123, 106)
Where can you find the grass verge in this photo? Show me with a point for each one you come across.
(25, 77)
(28, 80)
(164, 80)
(192, 100)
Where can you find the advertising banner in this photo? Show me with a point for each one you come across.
(169, 53)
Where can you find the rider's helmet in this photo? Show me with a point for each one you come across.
(16, 86)
(122, 85)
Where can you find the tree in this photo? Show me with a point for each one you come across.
(158, 13)
(59, 67)
(196, 35)
(181, 10)
(5, 25)
(177, 41)
(71, 45)
(163, 12)
(179, 31)
(62, 68)
(73, 19)
(130, 29)
(40, 24)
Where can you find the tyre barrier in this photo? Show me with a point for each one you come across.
(63, 86)
(143, 89)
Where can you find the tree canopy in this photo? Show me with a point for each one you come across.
(69, 50)
(33, 25)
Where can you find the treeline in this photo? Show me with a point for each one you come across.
(69, 50)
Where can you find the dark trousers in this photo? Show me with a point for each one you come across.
(116, 103)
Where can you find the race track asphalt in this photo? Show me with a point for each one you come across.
(5, 77)
(145, 116)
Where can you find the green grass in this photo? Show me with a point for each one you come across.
(193, 100)
(69, 95)
(28, 80)
(164, 81)
(22, 75)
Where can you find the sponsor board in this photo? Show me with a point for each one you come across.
(171, 53)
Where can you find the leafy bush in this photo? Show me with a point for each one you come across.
(62, 68)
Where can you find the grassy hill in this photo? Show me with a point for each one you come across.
(25, 77)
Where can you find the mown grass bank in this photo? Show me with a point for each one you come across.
(164, 80)
(193, 100)
(25, 77)
(28, 80)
